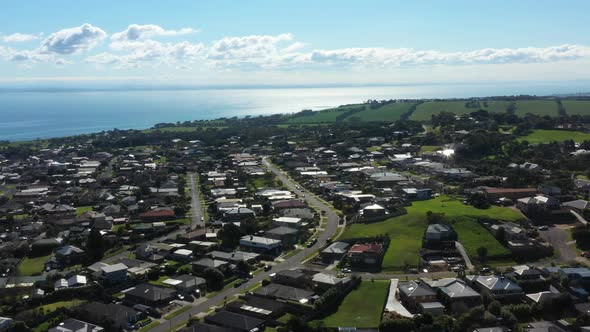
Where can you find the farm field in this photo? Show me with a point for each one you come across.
(540, 136)
(362, 307)
(406, 231)
(537, 107)
(576, 107)
(385, 113)
(329, 115)
(425, 110)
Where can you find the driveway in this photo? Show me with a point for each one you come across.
(558, 237)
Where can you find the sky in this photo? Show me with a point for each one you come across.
(221, 42)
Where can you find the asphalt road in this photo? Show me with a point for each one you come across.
(196, 206)
(291, 262)
(558, 238)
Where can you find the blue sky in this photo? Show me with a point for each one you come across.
(293, 42)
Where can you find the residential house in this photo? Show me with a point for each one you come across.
(157, 214)
(287, 235)
(578, 205)
(114, 273)
(238, 214)
(412, 293)
(288, 222)
(372, 211)
(235, 257)
(236, 322)
(74, 325)
(69, 255)
(500, 287)
(186, 283)
(335, 251)
(205, 263)
(365, 254)
(260, 244)
(455, 294)
(439, 236)
(150, 295)
(414, 194)
(295, 278)
(282, 292)
(121, 316)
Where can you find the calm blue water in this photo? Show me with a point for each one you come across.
(30, 115)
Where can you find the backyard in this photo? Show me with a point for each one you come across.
(32, 265)
(361, 308)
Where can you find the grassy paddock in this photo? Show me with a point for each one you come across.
(541, 136)
(362, 308)
(406, 231)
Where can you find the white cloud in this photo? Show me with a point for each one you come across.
(382, 57)
(73, 40)
(148, 51)
(18, 38)
(139, 32)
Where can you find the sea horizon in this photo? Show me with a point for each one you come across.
(47, 112)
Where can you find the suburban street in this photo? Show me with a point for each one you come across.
(196, 206)
(289, 263)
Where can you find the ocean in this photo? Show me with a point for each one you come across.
(30, 115)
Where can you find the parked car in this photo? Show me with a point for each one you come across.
(543, 228)
(346, 270)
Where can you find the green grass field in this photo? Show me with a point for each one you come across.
(61, 304)
(32, 266)
(473, 235)
(323, 116)
(538, 107)
(429, 148)
(82, 209)
(406, 231)
(362, 308)
(385, 113)
(425, 110)
(546, 136)
(576, 107)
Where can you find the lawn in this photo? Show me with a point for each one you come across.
(32, 266)
(362, 308)
(385, 113)
(429, 148)
(82, 209)
(546, 136)
(473, 236)
(576, 107)
(538, 107)
(406, 231)
(159, 281)
(61, 304)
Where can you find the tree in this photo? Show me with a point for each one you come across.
(95, 245)
(482, 253)
(214, 279)
(397, 325)
(229, 235)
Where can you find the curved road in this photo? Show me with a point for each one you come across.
(291, 262)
